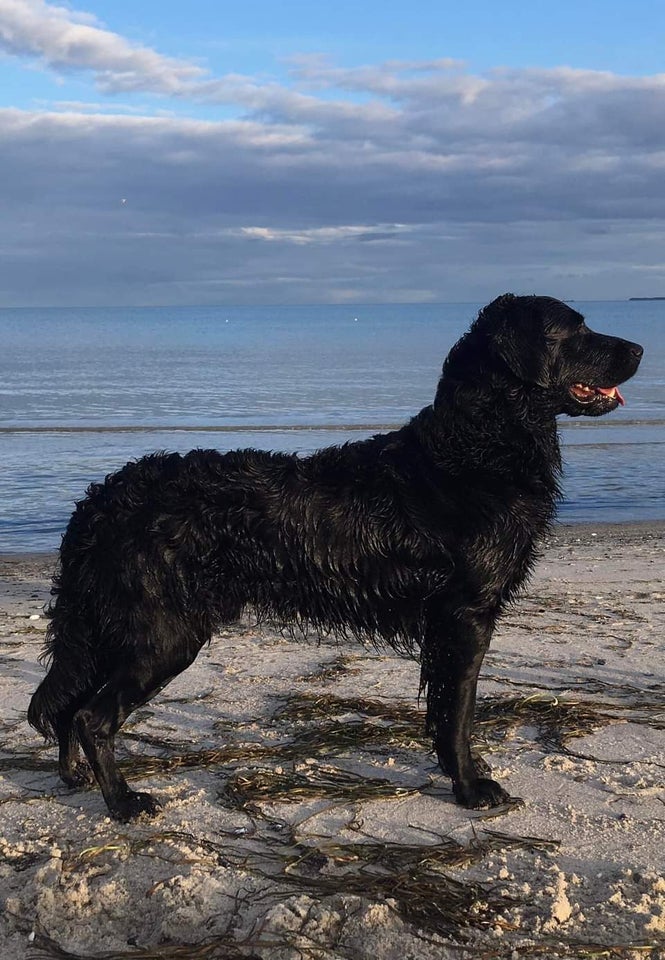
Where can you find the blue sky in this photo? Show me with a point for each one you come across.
(595, 34)
(203, 152)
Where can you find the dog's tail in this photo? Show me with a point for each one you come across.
(70, 678)
(47, 703)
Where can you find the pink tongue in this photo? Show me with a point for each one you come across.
(611, 392)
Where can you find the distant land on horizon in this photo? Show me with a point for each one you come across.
(646, 298)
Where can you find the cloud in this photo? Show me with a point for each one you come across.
(66, 40)
(261, 210)
(320, 234)
(383, 181)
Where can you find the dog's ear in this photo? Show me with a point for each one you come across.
(515, 331)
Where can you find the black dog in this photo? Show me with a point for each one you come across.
(417, 538)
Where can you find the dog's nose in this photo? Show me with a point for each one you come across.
(636, 350)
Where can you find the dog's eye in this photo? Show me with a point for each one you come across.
(556, 332)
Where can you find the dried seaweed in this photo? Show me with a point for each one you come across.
(322, 706)
(214, 948)
(142, 765)
(333, 737)
(412, 879)
(27, 761)
(244, 790)
(575, 950)
(333, 669)
(555, 720)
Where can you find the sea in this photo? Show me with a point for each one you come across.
(84, 390)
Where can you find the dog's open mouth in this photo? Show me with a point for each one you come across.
(583, 393)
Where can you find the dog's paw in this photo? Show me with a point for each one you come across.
(132, 805)
(481, 794)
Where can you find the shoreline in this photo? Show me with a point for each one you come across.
(564, 532)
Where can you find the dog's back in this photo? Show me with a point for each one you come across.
(326, 539)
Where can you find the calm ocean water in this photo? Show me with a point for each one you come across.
(83, 391)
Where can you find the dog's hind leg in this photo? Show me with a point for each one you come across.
(97, 721)
(52, 710)
(74, 771)
(451, 662)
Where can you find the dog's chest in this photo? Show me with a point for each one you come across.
(500, 561)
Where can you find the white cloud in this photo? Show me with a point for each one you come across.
(322, 234)
(65, 39)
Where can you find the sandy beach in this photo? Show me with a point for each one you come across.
(303, 812)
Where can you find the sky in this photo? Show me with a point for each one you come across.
(261, 152)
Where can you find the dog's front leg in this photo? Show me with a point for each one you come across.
(451, 659)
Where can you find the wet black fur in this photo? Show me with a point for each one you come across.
(417, 538)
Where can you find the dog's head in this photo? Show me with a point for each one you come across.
(544, 344)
